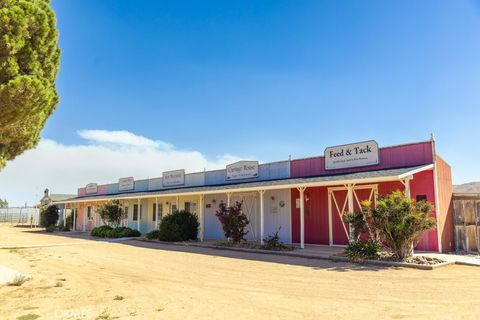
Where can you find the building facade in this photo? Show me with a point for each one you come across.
(303, 199)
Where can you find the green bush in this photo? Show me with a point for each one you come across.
(69, 220)
(400, 221)
(179, 226)
(109, 232)
(51, 228)
(155, 234)
(363, 250)
(49, 216)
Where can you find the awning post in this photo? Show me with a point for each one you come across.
(262, 216)
(201, 217)
(138, 214)
(302, 216)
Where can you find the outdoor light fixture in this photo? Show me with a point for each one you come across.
(273, 198)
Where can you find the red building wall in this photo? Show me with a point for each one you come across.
(402, 156)
(444, 185)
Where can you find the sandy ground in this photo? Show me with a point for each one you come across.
(79, 279)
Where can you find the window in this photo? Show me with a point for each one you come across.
(174, 207)
(157, 215)
(191, 207)
(421, 197)
(89, 213)
(137, 213)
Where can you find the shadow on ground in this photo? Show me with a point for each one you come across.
(318, 264)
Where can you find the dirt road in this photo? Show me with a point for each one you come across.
(84, 279)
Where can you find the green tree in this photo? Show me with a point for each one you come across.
(3, 203)
(29, 63)
(112, 212)
(400, 221)
(49, 216)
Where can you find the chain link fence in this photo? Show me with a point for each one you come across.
(20, 216)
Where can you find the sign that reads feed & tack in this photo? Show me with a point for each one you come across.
(125, 184)
(91, 188)
(242, 170)
(174, 178)
(352, 155)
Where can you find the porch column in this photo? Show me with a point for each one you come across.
(262, 216)
(177, 200)
(350, 207)
(156, 213)
(84, 217)
(302, 216)
(64, 214)
(138, 214)
(406, 183)
(201, 217)
(74, 218)
(229, 196)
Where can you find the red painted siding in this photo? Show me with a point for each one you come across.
(423, 184)
(316, 210)
(408, 155)
(316, 216)
(444, 184)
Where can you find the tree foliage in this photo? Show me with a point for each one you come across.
(3, 203)
(112, 212)
(49, 216)
(233, 221)
(29, 63)
(397, 221)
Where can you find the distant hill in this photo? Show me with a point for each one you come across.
(471, 187)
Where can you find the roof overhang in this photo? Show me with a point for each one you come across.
(320, 181)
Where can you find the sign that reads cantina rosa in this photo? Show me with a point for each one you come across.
(352, 155)
(174, 178)
(242, 170)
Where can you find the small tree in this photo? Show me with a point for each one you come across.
(111, 212)
(233, 221)
(49, 216)
(400, 221)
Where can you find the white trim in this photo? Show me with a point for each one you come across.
(412, 172)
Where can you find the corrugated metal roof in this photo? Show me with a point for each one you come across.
(358, 177)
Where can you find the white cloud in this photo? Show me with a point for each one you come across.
(105, 157)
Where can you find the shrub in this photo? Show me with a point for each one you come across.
(101, 231)
(109, 232)
(49, 216)
(400, 221)
(273, 242)
(112, 212)
(155, 234)
(69, 220)
(18, 280)
(179, 226)
(363, 250)
(51, 228)
(233, 221)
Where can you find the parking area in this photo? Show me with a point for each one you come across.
(75, 278)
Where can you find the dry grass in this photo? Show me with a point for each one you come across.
(18, 280)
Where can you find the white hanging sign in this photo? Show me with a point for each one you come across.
(242, 170)
(352, 155)
(91, 188)
(174, 178)
(125, 184)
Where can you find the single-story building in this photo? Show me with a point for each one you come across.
(303, 198)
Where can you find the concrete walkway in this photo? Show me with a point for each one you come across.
(469, 260)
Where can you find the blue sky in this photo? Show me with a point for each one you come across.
(266, 79)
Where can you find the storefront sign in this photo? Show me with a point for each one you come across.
(242, 170)
(174, 178)
(91, 188)
(352, 155)
(125, 184)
